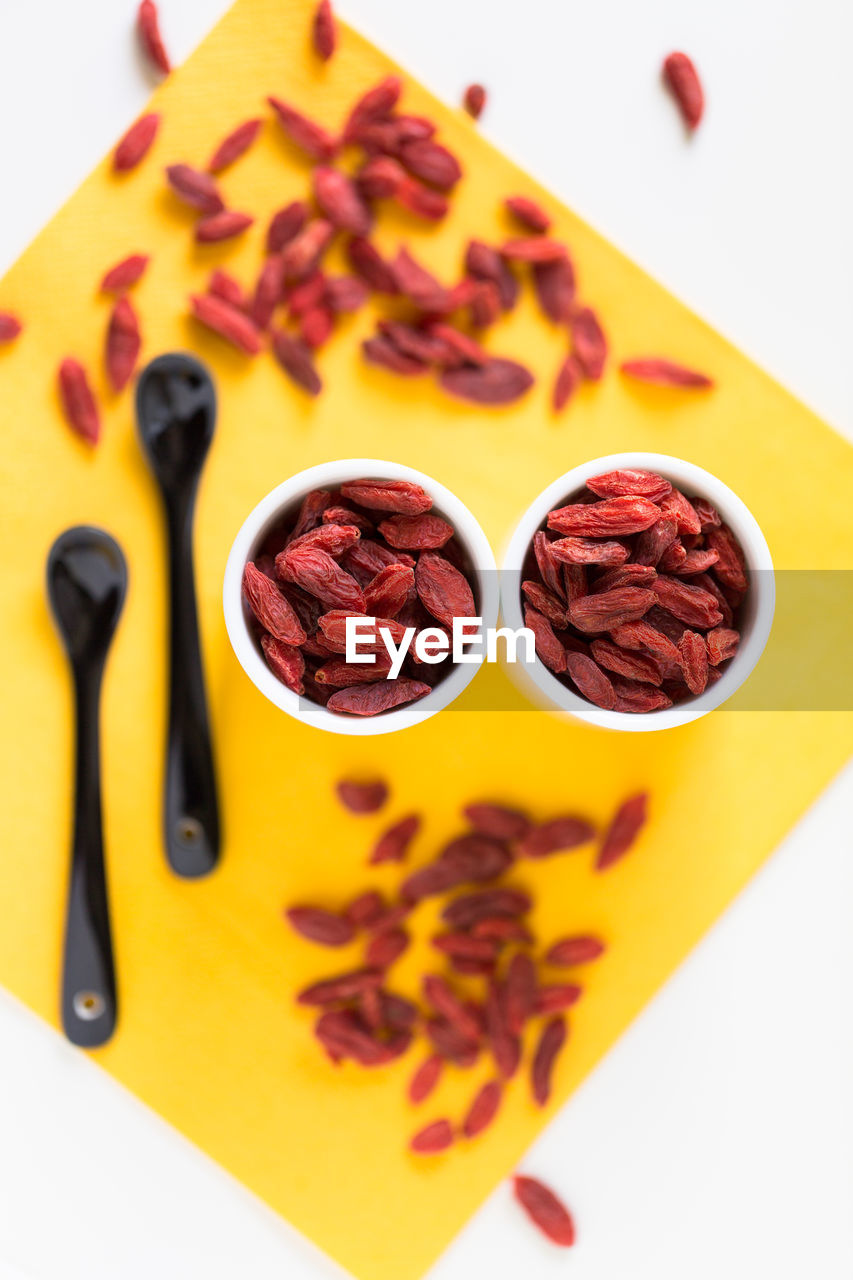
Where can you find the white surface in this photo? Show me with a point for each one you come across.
(542, 685)
(716, 1139)
(328, 475)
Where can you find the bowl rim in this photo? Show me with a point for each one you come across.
(264, 513)
(546, 688)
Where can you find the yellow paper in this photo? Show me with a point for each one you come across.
(208, 1035)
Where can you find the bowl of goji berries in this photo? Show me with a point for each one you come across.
(648, 587)
(358, 595)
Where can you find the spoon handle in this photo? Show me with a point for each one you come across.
(191, 815)
(89, 1005)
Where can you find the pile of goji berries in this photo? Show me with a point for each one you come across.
(378, 155)
(497, 979)
(633, 592)
(373, 548)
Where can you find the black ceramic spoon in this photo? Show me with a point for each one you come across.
(86, 584)
(176, 414)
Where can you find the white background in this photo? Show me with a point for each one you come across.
(717, 1137)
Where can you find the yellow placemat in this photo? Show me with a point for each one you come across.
(208, 1035)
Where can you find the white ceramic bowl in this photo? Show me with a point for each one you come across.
(329, 475)
(757, 613)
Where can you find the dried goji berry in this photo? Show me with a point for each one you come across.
(677, 507)
(548, 648)
(550, 1044)
(426, 1078)
(485, 263)
(612, 517)
(420, 200)
(10, 326)
(626, 575)
(148, 26)
(652, 543)
(385, 595)
(575, 550)
(362, 797)
(730, 568)
(590, 680)
(373, 105)
(543, 1208)
(227, 321)
(364, 908)
(303, 253)
(285, 225)
(431, 162)
(579, 949)
(306, 134)
(442, 997)
(339, 199)
(683, 80)
(474, 100)
(519, 991)
(642, 635)
(471, 907)
(664, 373)
(528, 212)
(123, 344)
(629, 483)
(125, 273)
(497, 820)
(340, 989)
(272, 609)
(533, 249)
(285, 661)
(442, 589)
(233, 146)
(319, 925)
(690, 604)
(345, 294)
(722, 644)
(418, 284)
(611, 609)
(297, 361)
(498, 381)
(694, 661)
(626, 825)
(367, 262)
(78, 401)
(483, 1109)
(462, 945)
(136, 143)
(324, 30)
(436, 1137)
(545, 602)
(387, 947)
(556, 997)
(371, 699)
(589, 342)
(634, 666)
(558, 835)
(222, 226)
(195, 188)
(554, 283)
(548, 568)
(393, 844)
(505, 1047)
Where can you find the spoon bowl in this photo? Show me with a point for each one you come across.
(176, 411)
(87, 582)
